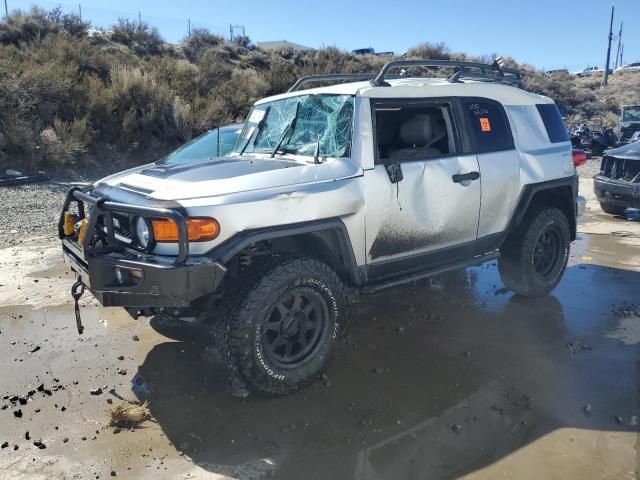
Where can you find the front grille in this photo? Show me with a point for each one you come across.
(121, 228)
(621, 169)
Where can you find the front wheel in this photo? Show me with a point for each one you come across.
(534, 258)
(281, 328)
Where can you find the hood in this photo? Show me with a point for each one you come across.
(226, 175)
(630, 151)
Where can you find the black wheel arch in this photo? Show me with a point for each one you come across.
(560, 193)
(324, 240)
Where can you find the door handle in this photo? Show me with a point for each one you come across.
(461, 177)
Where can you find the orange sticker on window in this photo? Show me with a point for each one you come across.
(484, 124)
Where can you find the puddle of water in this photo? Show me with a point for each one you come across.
(628, 331)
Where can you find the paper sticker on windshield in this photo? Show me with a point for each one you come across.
(484, 124)
(256, 116)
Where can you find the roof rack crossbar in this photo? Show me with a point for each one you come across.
(335, 77)
(331, 77)
(487, 72)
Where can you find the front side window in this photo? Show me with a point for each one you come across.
(306, 125)
(409, 130)
(489, 128)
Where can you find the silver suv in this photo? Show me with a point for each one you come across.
(352, 187)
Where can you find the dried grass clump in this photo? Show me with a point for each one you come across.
(128, 414)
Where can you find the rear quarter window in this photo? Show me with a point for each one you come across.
(553, 122)
(488, 125)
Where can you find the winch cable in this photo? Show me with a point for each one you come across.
(77, 289)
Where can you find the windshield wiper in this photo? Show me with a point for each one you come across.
(316, 155)
(289, 128)
(257, 130)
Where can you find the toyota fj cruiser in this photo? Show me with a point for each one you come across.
(356, 186)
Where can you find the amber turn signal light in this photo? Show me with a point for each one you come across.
(200, 230)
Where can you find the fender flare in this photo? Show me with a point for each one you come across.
(234, 245)
(529, 192)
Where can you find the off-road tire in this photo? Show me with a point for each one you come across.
(612, 209)
(247, 309)
(521, 251)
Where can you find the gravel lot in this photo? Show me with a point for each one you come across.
(31, 210)
(591, 168)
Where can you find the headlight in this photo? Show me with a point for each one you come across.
(143, 232)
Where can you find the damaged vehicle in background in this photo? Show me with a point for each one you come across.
(629, 123)
(332, 191)
(617, 186)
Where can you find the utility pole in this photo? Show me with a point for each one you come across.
(189, 27)
(233, 28)
(621, 53)
(139, 18)
(605, 80)
(618, 52)
(79, 10)
(6, 9)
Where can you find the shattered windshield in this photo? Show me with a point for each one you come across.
(631, 114)
(303, 125)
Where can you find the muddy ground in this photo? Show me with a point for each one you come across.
(449, 378)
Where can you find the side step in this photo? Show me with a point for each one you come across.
(394, 282)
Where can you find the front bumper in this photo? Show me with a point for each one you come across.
(617, 192)
(121, 276)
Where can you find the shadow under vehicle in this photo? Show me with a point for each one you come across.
(445, 377)
(617, 186)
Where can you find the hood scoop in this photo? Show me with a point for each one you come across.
(138, 190)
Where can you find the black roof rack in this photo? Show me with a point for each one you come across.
(462, 70)
(468, 70)
(331, 77)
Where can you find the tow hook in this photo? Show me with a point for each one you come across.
(76, 292)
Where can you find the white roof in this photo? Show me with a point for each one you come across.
(425, 87)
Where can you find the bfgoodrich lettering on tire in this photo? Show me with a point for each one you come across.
(534, 257)
(281, 327)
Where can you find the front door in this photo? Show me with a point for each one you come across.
(422, 196)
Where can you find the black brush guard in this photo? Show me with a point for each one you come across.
(165, 281)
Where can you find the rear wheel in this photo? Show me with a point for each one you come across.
(612, 209)
(534, 258)
(281, 328)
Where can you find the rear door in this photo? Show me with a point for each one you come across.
(488, 135)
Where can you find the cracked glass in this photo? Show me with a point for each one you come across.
(301, 125)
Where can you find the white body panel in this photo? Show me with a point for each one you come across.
(425, 211)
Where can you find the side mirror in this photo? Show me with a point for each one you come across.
(394, 170)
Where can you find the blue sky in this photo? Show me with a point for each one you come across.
(546, 33)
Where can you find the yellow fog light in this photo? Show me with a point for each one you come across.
(82, 230)
(67, 228)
